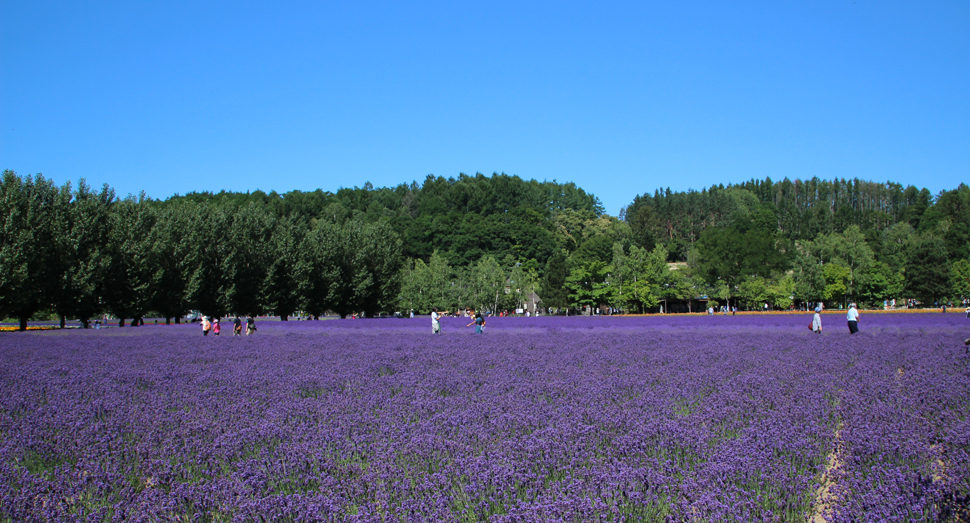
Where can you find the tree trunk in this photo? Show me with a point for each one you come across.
(284, 317)
(63, 322)
(86, 323)
(121, 322)
(23, 323)
(178, 320)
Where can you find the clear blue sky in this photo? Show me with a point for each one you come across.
(619, 97)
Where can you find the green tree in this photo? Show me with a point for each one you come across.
(554, 293)
(836, 277)
(488, 283)
(730, 255)
(245, 245)
(202, 256)
(753, 291)
(882, 283)
(80, 234)
(28, 264)
(587, 284)
(427, 285)
(928, 271)
(960, 279)
(368, 264)
(850, 250)
(280, 288)
(781, 291)
(169, 255)
(130, 277)
(317, 268)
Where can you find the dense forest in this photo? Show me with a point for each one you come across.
(487, 242)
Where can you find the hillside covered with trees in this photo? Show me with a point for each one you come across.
(487, 242)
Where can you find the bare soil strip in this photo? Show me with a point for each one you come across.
(824, 497)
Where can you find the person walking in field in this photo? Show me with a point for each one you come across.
(435, 321)
(817, 321)
(853, 319)
(205, 326)
(237, 327)
(250, 325)
(215, 327)
(478, 319)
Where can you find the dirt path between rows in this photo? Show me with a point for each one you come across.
(825, 498)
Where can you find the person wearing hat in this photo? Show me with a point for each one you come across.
(853, 319)
(205, 326)
(215, 326)
(817, 320)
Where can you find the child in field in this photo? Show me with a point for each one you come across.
(215, 327)
(478, 320)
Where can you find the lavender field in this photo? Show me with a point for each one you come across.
(676, 418)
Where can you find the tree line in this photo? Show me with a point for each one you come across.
(79, 253)
(488, 242)
(815, 240)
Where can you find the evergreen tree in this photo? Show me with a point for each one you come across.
(554, 293)
(928, 271)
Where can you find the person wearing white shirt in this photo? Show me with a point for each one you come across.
(435, 323)
(853, 318)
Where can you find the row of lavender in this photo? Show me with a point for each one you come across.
(582, 419)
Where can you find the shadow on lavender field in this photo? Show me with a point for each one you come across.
(662, 418)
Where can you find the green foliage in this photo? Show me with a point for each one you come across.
(836, 278)
(730, 255)
(28, 264)
(316, 268)
(588, 285)
(882, 283)
(81, 223)
(781, 291)
(427, 285)
(498, 239)
(280, 286)
(928, 271)
(554, 293)
(130, 277)
(753, 291)
(487, 284)
(960, 279)
(463, 218)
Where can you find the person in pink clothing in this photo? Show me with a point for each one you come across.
(215, 326)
